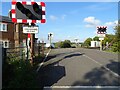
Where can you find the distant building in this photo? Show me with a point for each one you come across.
(95, 44)
(11, 35)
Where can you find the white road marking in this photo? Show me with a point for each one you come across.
(115, 74)
(43, 61)
(81, 87)
(47, 55)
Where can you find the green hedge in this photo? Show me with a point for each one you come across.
(19, 74)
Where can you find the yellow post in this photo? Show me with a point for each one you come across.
(100, 45)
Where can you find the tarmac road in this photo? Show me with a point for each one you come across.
(75, 68)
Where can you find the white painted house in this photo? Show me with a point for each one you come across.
(95, 43)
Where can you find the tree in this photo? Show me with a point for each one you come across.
(117, 28)
(110, 38)
(59, 44)
(96, 38)
(87, 42)
(63, 44)
(66, 44)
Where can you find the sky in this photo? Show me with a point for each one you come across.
(74, 20)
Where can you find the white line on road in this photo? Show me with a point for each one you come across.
(81, 87)
(46, 55)
(102, 66)
(43, 61)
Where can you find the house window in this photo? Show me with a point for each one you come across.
(0, 26)
(3, 27)
(6, 44)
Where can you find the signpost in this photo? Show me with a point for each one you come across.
(27, 29)
(31, 13)
(101, 32)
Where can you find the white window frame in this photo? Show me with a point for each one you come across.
(1, 28)
(3, 43)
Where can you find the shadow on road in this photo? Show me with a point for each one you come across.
(73, 55)
(50, 75)
(100, 77)
(69, 55)
(50, 57)
(53, 56)
(55, 60)
(114, 66)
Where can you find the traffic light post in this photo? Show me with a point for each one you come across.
(50, 38)
(50, 41)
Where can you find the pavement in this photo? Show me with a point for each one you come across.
(81, 69)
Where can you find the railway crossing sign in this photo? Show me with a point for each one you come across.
(101, 31)
(28, 12)
(30, 29)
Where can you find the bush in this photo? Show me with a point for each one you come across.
(87, 42)
(21, 75)
(63, 44)
(114, 47)
(7, 74)
(66, 44)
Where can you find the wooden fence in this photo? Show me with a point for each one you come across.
(18, 53)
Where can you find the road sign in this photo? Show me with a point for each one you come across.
(101, 38)
(28, 29)
(102, 30)
(101, 35)
(28, 12)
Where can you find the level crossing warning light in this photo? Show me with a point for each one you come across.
(28, 12)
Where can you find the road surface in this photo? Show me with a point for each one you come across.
(79, 68)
